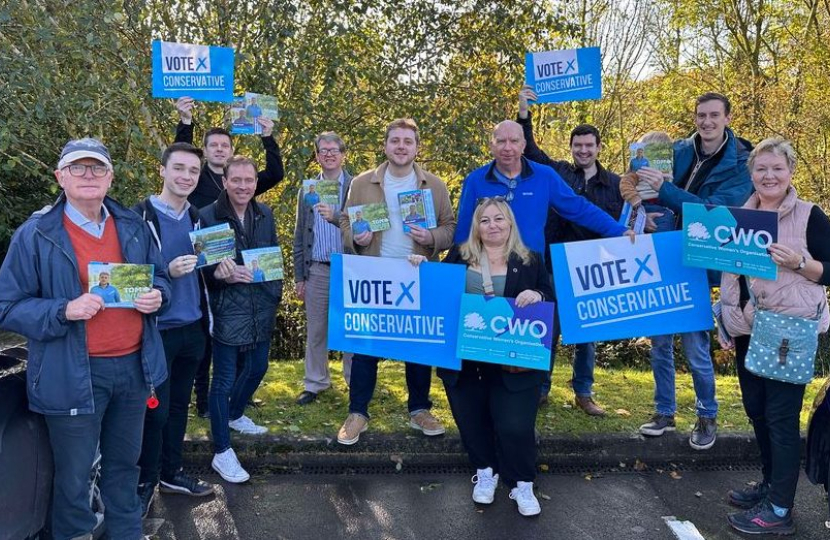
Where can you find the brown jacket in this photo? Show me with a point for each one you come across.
(367, 188)
(792, 293)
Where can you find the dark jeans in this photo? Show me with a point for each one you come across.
(365, 377)
(774, 408)
(229, 394)
(120, 395)
(497, 425)
(202, 383)
(164, 426)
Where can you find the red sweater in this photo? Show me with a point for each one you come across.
(112, 331)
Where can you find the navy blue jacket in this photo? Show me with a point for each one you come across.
(40, 277)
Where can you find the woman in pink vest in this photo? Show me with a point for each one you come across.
(802, 254)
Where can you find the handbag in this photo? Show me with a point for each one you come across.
(783, 347)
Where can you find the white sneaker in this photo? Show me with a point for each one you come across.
(245, 425)
(229, 468)
(524, 497)
(486, 483)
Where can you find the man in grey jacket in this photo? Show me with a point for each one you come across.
(316, 238)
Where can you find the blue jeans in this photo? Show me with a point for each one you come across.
(229, 394)
(365, 377)
(584, 361)
(120, 396)
(696, 347)
(664, 223)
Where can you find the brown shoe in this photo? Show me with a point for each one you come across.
(424, 421)
(586, 403)
(354, 425)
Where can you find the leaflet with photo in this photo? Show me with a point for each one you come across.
(656, 155)
(372, 217)
(325, 191)
(213, 244)
(119, 284)
(247, 109)
(264, 263)
(417, 209)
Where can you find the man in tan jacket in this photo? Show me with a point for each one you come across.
(382, 185)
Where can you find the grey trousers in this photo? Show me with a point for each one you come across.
(317, 377)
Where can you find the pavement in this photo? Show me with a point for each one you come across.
(437, 505)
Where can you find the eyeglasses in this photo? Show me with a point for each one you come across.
(98, 171)
(511, 185)
(329, 152)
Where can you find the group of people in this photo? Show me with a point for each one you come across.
(121, 379)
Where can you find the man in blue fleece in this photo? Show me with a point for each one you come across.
(530, 189)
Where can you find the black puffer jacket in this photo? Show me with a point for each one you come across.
(243, 313)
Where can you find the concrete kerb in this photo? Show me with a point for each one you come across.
(392, 452)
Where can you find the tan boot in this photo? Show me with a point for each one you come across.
(586, 403)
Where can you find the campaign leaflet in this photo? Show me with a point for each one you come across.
(119, 283)
(247, 109)
(495, 330)
(213, 244)
(633, 218)
(656, 155)
(417, 208)
(372, 217)
(325, 191)
(730, 239)
(264, 263)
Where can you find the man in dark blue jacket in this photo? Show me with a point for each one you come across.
(91, 370)
(709, 168)
(587, 177)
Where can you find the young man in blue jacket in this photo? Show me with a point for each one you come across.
(91, 370)
(709, 168)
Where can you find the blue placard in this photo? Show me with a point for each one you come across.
(388, 308)
(493, 329)
(572, 75)
(612, 289)
(202, 72)
(730, 239)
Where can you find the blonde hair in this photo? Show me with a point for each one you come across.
(473, 249)
(777, 146)
(656, 137)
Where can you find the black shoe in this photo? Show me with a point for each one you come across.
(186, 485)
(762, 520)
(704, 433)
(749, 496)
(306, 397)
(659, 424)
(202, 410)
(146, 492)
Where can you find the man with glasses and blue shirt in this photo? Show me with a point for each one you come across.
(91, 370)
(316, 238)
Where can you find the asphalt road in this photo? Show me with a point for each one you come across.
(614, 505)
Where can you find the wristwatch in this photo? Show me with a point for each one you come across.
(802, 264)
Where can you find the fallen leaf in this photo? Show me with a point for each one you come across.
(698, 494)
(588, 477)
(430, 486)
(622, 465)
(675, 475)
(640, 466)
(544, 468)
(622, 412)
(293, 429)
(567, 406)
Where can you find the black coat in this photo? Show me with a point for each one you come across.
(817, 465)
(243, 313)
(519, 278)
